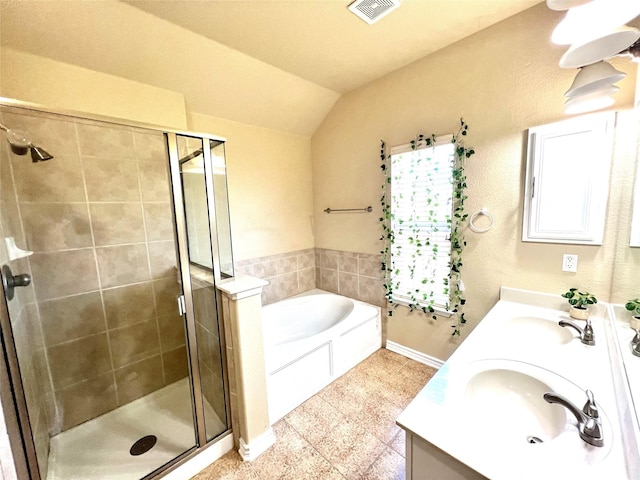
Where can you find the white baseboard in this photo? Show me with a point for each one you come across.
(414, 354)
(252, 450)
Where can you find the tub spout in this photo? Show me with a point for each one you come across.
(586, 334)
(589, 424)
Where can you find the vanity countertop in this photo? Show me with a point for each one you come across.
(484, 403)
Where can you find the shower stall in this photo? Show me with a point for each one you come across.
(111, 252)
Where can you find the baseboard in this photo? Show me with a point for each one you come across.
(252, 450)
(414, 354)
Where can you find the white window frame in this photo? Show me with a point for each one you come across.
(567, 180)
(443, 266)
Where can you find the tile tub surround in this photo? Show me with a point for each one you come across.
(98, 219)
(354, 275)
(346, 431)
(288, 274)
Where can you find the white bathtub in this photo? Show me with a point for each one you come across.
(312, 339)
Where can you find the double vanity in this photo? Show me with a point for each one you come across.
(530, 396)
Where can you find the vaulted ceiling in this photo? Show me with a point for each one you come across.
(280, 64)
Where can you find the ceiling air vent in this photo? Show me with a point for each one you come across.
(373, 10)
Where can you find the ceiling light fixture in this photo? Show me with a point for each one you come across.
(591, 101)
(596, 49)
(593, 19)
(594, 77)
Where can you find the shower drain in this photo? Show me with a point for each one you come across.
(143, 445)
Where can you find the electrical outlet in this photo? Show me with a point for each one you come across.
(570, 262)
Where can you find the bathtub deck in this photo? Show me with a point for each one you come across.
(346, 431)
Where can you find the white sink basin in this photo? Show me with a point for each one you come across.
(510, 405)
(538, 331)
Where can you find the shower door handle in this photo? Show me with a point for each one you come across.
(182, 306)
(10, 281)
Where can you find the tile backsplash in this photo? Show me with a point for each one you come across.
(354, 275)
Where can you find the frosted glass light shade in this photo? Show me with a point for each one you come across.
(599, 48)
(565, 4)
(594, 77)
(593, 20)
(589, 103)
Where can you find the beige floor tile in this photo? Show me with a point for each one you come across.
(347, 431)
(315, 419)
(388, 466)
(229, 467)
(350, 449)
(398, 444)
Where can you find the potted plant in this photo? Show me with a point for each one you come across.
(634, 308)
(579, 301)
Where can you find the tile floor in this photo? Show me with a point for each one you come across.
(347, 431)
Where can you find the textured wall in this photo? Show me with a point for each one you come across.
(502, 80)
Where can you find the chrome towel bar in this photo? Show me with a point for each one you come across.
(368, 209)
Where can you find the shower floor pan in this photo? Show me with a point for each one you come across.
(99, 448)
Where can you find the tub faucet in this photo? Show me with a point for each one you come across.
(586, 334)
(635, 343)
(588, 418)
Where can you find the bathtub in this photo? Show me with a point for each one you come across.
(312, 339)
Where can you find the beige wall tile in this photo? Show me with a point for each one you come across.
(133, 343)
(111, 179)
(348, 284)
(117, 223)
(123, 265)
(327, 259)
(58, 180)
(162, 259)
(70, 318)
(57, 226)
(129, 304)
(172, 331)
(86, 400)
(265, 269)
(306, 260)
(329, 280)
(175, 365)
(57, 274)
(288, 264)
(165, 292)
(307, 279)
(154, 181)
(96, 140)
(348, 262)
(370, 265)
(158, 221)
(139, 379)
(79, 360)
(371, 290)
(150, 146)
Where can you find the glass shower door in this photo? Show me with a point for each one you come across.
(197, 166)
(101, 347)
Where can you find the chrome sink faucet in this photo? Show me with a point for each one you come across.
(586, 334)
(588, 418)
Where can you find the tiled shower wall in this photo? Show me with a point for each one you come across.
(98, 219)
(354, 275)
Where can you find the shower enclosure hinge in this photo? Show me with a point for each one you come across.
(182, 306)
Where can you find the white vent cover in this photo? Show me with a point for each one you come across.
(373, 10)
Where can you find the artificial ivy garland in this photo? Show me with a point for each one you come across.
(420, 301)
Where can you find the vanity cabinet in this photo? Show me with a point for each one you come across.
(567, 180)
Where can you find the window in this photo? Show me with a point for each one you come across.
(567, 183)
(421, 199)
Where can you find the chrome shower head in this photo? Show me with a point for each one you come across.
(20, 143)
(38, 154)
